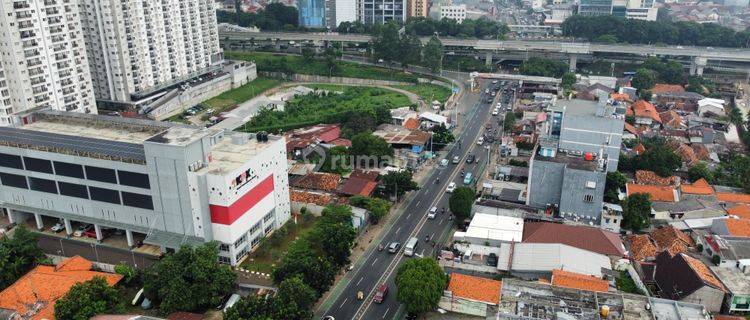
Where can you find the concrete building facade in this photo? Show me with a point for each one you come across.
(311, 13)
(338, 11)
(381, 11)
(418, 8)
(455, 12)
(42, 58)
(138, 47)
(171, 184)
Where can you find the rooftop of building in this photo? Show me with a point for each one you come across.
(495, 227)
(33, 296)
(573, 161)
(733, 197)
(567, 279)
(741, 211)
(394, 134)
(657, 193)
(588, 238)
(733, 279)
(475, 288)
(234, 151)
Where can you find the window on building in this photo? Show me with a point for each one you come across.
(588, 198)
(268, 216)
(240, 241)
(224, 247)
(255, 242)
(255, 228)
(133, 179)
(69, 169)
(104, 195)
(10, 161)
(73, 190)
(38, 165)
(42, 185)
(13, 180)
(137, 200)
(240, 255)
(225, 260)
(101, 174)
(268, 229)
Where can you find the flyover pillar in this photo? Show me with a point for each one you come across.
(696, 68)
(573, 62)
(488, 59)
(39, 221)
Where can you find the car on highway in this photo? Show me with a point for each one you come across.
(456, 159)
(432, 213)
(59, 226)
(393, 247)
(328, 318)
(443, 162)
(470, 158)
(82, 229)
(495, 112)
(380, 294)
(467, 178)
(480, 141)
(451, 187)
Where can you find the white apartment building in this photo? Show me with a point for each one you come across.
(455, 12)
(42, 58)
(138, 47)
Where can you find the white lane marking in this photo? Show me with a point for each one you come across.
(360, 280)
(386, 312)
(418, 202)
(408, 216)
(399, 229)
(373, 261)
(441, 221)
(342, 303)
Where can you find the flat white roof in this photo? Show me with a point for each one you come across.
(495, 227)
(227, 155)
(544, 257)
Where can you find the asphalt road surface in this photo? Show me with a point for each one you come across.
(380, 266)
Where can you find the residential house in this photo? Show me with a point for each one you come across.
(732, 251)
(657, 193)
(587, 238)
(741, 211)
(651, 178)
(661, 88)
(399, 116)
(313, 201)
(321, 181)
(699, 187)
(731, 227)
(471, 295)
(300, 139)
(400, 137)
(733, 198)
(684, 278)
(33, 296)
(645, 247)
(491, 230)
(538, 260)
(672, 120)
(645, 114)
(710, 107)
(688, 208)
(567, 279)
(360, 182)
(684, 101)
(687, 154)
(737, 284)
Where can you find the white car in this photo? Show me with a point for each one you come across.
(451, 187)
(495, 112)
(480, 141)
(57, 227)
(432, 213)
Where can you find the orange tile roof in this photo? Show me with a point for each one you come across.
(641, 247)
(317, 198)
(657, 193)
(574, 280)
(700, 150)
(733, 197)
(738, 227)
(620, 96)
(700, 186)
(639, 149)
(319, 181)
(475, 288)
(644, 109)
(742, 211)
(672, 119)
(687, 154)
(651, 178)
(411, 124)
(728, 317)
(704, 272)
(664, 88)
(670, 239)
(46, 284)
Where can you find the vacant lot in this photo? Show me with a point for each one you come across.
(428, 91)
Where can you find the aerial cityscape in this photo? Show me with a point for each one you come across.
(374, 159)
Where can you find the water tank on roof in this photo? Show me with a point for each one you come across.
(589, 156)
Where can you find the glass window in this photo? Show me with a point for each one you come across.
(137, 200)
(38, 165)
(101, 174)
(13, 180)
(73, 190)
(104, 195)
(69, 169)
(133, 179)
(10, 161)
(224, 247)
(43, 185)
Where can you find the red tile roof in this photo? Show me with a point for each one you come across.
(664, 88)
(657, 193)
(704, 272)
(411, 124)
(341, 142)
(641, 247)
(738, 227)
(46, 284)
(670, 239)
(733, 197)
(651, 178)
(620, 96)
(475, 288)
(574, 280)
(698, 187)
(672, 119)
(644, 109)
(317, 198)
(639, 149)
(357, 186)
(362, 174)
(630, 128)
(742, 211)
(700, 150)
(687, 154)
(318, 181)
(587, 238)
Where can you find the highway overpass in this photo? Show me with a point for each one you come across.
(698, 55)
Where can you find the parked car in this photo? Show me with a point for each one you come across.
(59, 226)
(443, 162)
(451, 187)
(492, 260)
(393, 247)
(456, 159)
(82, 229)
(91, 233)
(380, 294)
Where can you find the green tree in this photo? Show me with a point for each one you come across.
(369, 150)
(636, 211)
(331, 54)
(378, 208)
(295, 299)
(509, 121)
(398, 183)
(411, 50)
(700, 171)
(568, 80)
(441, 137)
(87, 299)
(643, 80)
(253, 307)
(606, 38)
(543, 67)
(129, 275)
(615, 182)
(308, 54)
(18, 254)
(460, 203)
(658, 158)
(420, 284)
(337, 160)
(302, 260)
(433, 54)
(334, 233)
(190, 279)
(386, 42)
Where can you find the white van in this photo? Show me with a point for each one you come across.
(410, 246)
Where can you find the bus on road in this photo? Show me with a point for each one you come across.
(410, 246)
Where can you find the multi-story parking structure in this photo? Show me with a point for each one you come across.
(43, 58)
(168, 184)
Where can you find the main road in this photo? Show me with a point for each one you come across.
(378, 267)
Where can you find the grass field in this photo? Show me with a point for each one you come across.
(272, 249)
(296, 64)
(233, 97)
(428, 92)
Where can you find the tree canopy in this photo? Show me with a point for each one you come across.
(420, 284)
(654, 32)
(615, 182)
(18, 254)
(190, 279)
(433, 54)
(398, 183)
(544, 67)
(378, 208)
(386, 42)
(293, 301)
(643, 81)
(658, 157)
(636, 211)
(274, 17)
(460, 203)
(87, 299)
